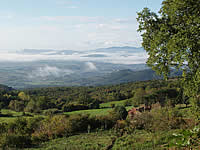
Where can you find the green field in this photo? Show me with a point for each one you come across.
(119, 103)
(11, 115)
(105, 108)
(95, 112)
(92, 112)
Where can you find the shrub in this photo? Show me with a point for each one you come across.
(59, 126)
(19, 126)
(143, 121)
(112, 105)
(94, 104)
(33, 124)
(103, 122)
(159, 120)
(51, 127)
(17, 134)
(16, 105)
(52, 111)
(3, 128)
(74, 107)
(15, 141)
(119, 113)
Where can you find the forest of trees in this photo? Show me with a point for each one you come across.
(79, 98)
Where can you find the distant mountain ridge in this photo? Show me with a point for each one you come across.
(47, 52)
(123, 76)
(127, 49)
(103, 66)
(87, 79)
(120, 49)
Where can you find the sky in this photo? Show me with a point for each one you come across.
(70, 24)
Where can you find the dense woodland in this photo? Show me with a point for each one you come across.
(78, 98)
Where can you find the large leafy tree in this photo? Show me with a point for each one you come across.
(172, 40)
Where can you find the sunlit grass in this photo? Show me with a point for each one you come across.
(94, 112)
(119, 103)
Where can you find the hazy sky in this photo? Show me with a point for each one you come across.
(70, 24)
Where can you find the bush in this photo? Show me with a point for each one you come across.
(33, 124)
(103, 122)
(59, 126)
(19, 126)
(119, 113)
(94, 104)
(52, 127)
(143, 121)
(74, 107)
(15, 141)
(52, 111)
(3, 128)
(112, 105)
(159, 120)
(79, 123)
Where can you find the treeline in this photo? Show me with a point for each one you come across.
(80, 98)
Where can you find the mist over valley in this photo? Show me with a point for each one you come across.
(34, 67)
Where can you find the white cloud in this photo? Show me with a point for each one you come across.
(47, 70)
(70, 32)
(90, 66)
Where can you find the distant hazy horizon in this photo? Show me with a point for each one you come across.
(119, 55)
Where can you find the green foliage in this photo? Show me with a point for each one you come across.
(186, 138)
(74, 107)
(139, 96)
(17, 134)
(59, 126)
(52, 127)
(23, 96)
(95, 104)
(158, 120)
(112, 105)
(130, 132)
(119, 112)
(78, 98)
(52, 111)
(32, 107)
(16, 105)
(15, 141)
(127, 103)
(3, 128)
(172, 40)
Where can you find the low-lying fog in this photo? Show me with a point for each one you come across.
(29, 67)
(118, 56)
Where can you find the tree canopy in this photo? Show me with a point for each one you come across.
(172, 40)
